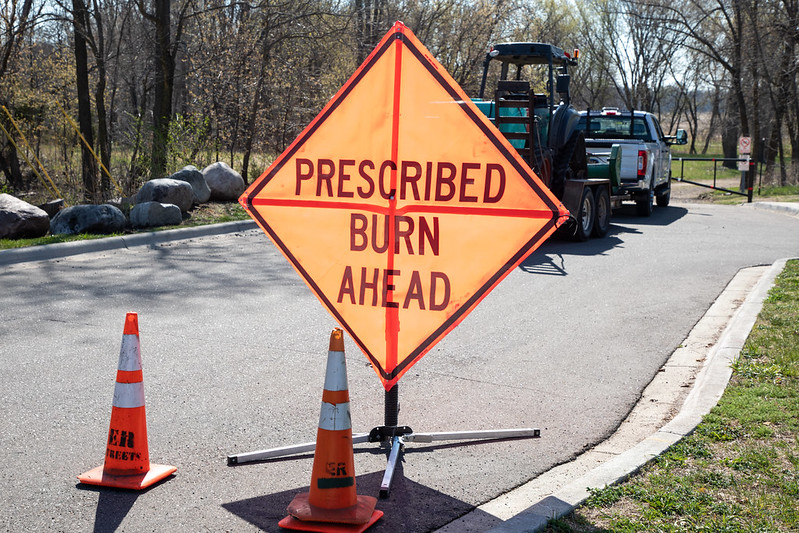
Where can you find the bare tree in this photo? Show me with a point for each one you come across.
(593, 80)
(777, 31)
(717, 29)
(371, 22)
(639, 46)
(16, 20)
(458, 33)
(80, 17)
(165, 49)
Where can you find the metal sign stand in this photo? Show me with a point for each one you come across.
(390, 436)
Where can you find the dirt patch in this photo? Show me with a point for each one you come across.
(685, 192)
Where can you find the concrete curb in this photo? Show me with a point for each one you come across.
(787, 208)
(64, 249)
(562, 489)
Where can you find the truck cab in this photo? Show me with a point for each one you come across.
(631, 149)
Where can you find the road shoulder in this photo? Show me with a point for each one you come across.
(65, 249)
(673, 404)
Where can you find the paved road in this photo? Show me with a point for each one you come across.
(234, 347)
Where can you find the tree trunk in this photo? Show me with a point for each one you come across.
(103, 139)
(369, 16)
(714, 117)
(164, 74)
(756, 142)
(730, 130)
(102, 133)
(9, 163)
(136, 169)
(255, 109)
(88, 163)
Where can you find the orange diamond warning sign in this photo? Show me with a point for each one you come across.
(401, 206)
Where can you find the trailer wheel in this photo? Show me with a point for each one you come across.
(602, 208)
(586, 216)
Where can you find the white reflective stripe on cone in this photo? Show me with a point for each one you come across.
(129, 395)
(336, 375)
(335, 417)
(129, 354)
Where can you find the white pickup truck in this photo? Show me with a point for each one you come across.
(630, 149)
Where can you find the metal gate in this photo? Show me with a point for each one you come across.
(749, 177)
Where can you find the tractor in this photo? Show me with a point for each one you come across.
(543, 127)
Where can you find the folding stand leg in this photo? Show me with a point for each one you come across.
(396, 436)
(262, 455)
(396, 447)
(390, 436)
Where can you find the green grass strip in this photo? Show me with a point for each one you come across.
(739, 471)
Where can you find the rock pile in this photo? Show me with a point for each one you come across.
(159, 202)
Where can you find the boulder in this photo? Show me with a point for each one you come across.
(19, 219)
(52, 207)
(152, 214)
(88, 219)
(195, 178)
(123, 203)
(167, 191)
(225, 183)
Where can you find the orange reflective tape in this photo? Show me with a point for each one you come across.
(129, 376)
(335, 396)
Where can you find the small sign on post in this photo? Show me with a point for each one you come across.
(743, 165)
(744, 145)
(744, 151)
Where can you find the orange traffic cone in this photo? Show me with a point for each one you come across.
(332, 503)
(127, 458)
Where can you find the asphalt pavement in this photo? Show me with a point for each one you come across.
(703, 360)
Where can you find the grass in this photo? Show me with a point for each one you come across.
(210, 213)
(6, 244)
(739, 470)
(765, 193)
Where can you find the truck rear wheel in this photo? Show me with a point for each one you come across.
(602, 208)
(664, 195)
(644, 202)
(586, 216)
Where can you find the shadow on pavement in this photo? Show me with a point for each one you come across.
(410, 508)
(661, 216)
(549, 258)
(113, 505)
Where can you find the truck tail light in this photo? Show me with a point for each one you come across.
(641, 164)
